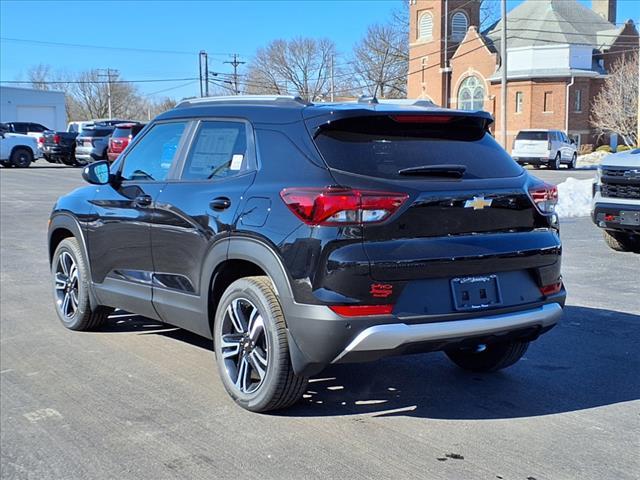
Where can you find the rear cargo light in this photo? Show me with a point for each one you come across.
(361, 310)
(551, 289)
(341, 205)
(422, 118)
(545, 196)
(40, 139)
(56, 139)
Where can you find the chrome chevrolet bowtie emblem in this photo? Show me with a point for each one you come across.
(478, 203)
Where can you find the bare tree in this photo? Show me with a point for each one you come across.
(300, 66)
(381, 61)
(615, 108)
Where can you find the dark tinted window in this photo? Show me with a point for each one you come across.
(219, 151)
(36, 127)
(19, 128)
(380, 146)
(96, 132)
(123, 132)
(152, 156)
(532, 136)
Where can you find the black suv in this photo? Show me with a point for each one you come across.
(298, 235)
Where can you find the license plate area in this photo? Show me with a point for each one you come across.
(629, 218)
(473, 293)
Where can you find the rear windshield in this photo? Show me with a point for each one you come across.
(532, 136)
(123, 132)
(380, 146)
(96, 132)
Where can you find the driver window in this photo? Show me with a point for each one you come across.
(152, 157)
(219, 151)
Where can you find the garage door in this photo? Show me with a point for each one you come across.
(44, 115)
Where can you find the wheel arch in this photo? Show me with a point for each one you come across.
(23, 147)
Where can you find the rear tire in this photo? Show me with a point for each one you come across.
(493, 358)
(21, 157)
(621, 242)
(252, 350)
(70, 275)
(5, 163)
(555, 163)
(536, 166)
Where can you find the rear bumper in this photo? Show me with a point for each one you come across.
(319, 337)
(524, 159)
(384, 339)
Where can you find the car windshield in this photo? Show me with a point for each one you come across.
(532, 136)
(381, 146)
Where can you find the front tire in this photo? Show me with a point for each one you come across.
(621, 242)
(574, 159)
(252, 350)
(70, 275)
(490, 358)
(21, 157)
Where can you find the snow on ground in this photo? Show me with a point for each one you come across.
(591, 159)
(574, 198)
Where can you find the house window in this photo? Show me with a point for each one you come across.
(577, 101)
(548, 102)
(424, 67)
(425, 26)
(519, 97)
(459, 25)
(471, 94)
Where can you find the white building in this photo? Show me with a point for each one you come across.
(29, 105)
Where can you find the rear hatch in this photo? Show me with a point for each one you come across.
(531, 144)
(469, 209)
(120, 139)
(90, 137)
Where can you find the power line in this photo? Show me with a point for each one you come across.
(58, 82)
(235, 63)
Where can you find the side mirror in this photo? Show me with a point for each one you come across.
(96, 173)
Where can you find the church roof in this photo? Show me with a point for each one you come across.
(549, 22)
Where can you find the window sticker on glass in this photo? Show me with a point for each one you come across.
(236, 162)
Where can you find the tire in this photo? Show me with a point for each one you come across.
(536, 166)
(257, 310)
(70, 281)
(49, 159)
(5, 163)
(621, 242)
(493, 358)
(21, 157)
(572, 164)
(555, 163)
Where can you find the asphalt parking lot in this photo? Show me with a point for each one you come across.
(138, 400)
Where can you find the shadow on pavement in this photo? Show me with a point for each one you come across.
(589, 360)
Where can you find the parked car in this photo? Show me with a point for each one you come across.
(616, 200)
(92, 143)
(35, 130)
(121, 137)
(16, 149)
(544, 147)
(298, 235)
(76, 127)
(60, 147)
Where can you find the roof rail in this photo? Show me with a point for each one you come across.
(242, 99)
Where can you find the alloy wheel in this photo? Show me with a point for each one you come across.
(244, 345)
(66, 285)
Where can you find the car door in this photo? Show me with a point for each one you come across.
(196, 212)
(119, 234)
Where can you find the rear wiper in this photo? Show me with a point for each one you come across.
(452, 171)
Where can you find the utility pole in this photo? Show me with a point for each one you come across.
(235, 63)
(201, 56)
(503, 83)
(445, 104)
(108, 74)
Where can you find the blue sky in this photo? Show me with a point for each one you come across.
(178, 30)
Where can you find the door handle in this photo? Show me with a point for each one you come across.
(142, 201)
(220, 203)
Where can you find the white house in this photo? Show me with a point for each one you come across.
(29, 105)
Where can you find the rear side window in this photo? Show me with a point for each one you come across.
(20, 128)
(219, 151)
(151, 158)
(380, 146)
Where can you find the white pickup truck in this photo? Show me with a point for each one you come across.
(16, 149)
(616, 200)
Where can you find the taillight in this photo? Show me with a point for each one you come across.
(551, 289)
(341, 205)
(545, 197)
(56, 139)
(40, 139)
(361, 310)
(549, 145)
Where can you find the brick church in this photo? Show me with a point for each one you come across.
(559, 53)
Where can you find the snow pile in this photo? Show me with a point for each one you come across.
(591, 159)
(574, 198)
